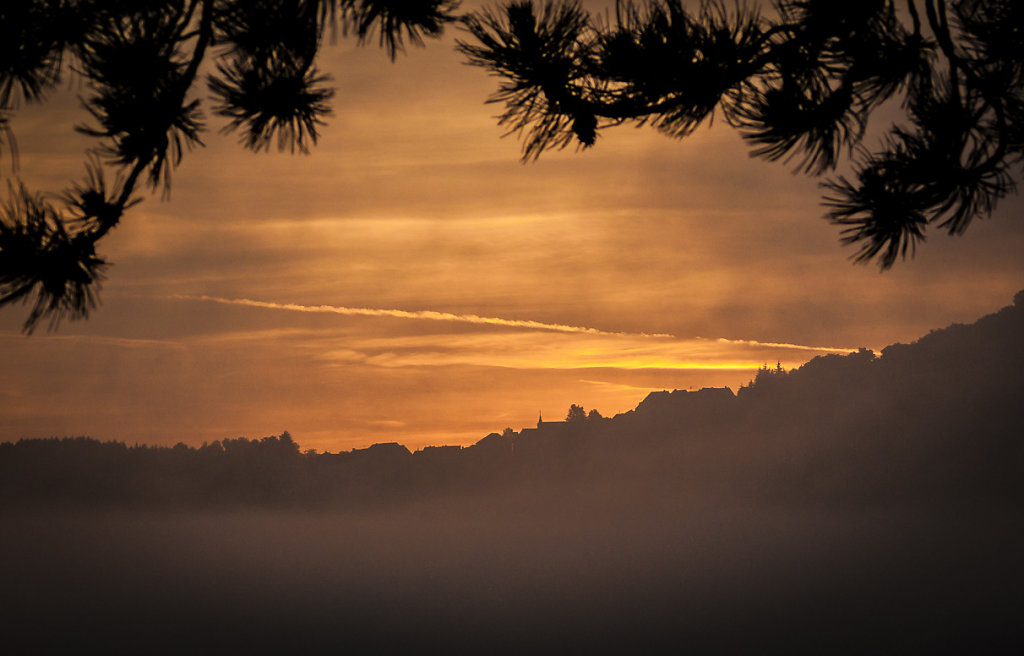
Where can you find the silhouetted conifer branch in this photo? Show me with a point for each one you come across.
(276, 97)
(139, 61)
(544, 56)
(43, 264)
(799, 86)
(395, 21)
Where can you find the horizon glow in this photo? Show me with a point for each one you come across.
(476, 290)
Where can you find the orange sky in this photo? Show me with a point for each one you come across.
(687, 263)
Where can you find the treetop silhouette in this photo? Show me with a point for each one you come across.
(799, 86)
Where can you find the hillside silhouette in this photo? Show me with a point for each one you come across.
(860, 503)
(935, 417)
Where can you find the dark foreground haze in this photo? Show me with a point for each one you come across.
(859, 504)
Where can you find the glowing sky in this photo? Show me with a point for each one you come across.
(410, 280)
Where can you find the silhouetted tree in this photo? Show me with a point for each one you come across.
(594, 415)
(768, 375)
(139, 63)
(576, 414)
(799, 86)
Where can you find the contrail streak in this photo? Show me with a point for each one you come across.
(432, 315)
(428, 315)
(784, 345)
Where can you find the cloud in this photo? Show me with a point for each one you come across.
(433, 315)
(539, 350)
(100, 340)
(617, 387)
(784, 345)
(427, 315)
(509, 343)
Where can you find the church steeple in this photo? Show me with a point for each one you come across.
(540, 418)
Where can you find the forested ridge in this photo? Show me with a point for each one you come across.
(936, 417)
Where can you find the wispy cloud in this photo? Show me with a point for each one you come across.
(432, 315)
(617, 387)
(426, 315)
(783, 345)
(537, 350)
(121, 342)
